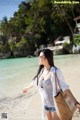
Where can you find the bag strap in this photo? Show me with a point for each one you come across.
(57, 81)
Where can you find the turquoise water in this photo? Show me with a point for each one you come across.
(18, 72)
(15, 73)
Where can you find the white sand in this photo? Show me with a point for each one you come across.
(26, 108)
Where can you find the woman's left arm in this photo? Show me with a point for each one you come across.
(77, 104)
(65, 87)
(62, 84)
(71, 96)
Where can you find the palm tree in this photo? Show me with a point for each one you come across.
(4, 27)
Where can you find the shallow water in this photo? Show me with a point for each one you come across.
(18, 73)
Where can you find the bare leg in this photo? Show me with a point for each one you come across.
(49, 115)
(55, 116)
(52, 115)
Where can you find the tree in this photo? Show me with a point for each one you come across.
(39, 22)
(4, 27)
(76, 39)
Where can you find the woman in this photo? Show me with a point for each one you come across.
(45, 82)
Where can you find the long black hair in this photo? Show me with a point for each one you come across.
(49, 56)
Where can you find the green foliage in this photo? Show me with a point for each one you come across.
(67, 48)
(1, 48)
(65, 44)
(41, 21)
(21, 43)
(12, 45)
(3, 39)
(76, 39)
(4, 26)
(4, 48)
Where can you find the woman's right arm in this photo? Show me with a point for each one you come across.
(32, 84)
(28, 88)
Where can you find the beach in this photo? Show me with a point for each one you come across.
(19, 106)
(26, 107)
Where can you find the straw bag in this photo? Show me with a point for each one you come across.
(64, 102)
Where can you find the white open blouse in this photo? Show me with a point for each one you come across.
(47, 88)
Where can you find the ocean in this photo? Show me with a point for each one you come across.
(17, 73)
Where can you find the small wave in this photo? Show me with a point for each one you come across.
(18, 96)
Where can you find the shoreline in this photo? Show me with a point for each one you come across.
(33, 56)
(27, 106)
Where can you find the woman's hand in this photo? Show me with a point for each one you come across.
(25, 90)
(78, 105)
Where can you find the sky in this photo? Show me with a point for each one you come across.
(8, 7)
